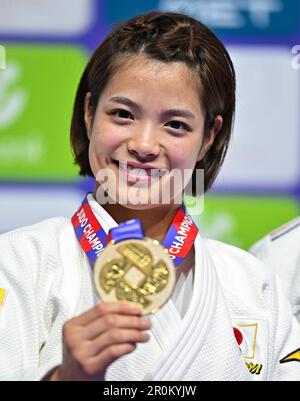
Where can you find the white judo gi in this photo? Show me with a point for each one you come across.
(47, 280)
(280, 251)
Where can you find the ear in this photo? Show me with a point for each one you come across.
(88, 115)
(210, 136)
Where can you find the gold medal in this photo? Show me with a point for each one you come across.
(135, 270)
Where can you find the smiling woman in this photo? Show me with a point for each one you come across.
(159, 128)
(157, 97)
(194, 72)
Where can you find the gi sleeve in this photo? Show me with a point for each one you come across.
(282, 257)
(32, 308)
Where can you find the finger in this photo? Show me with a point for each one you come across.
(101, 309)
(111, 321)
(97, 365)
(115, 337)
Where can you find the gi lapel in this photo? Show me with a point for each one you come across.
(166, 322)
(195, 325)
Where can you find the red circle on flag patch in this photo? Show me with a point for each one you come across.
(238, 335)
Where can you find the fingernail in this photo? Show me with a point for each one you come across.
(146, 336)
(146, 323)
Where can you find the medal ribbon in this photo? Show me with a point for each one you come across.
(93, 239)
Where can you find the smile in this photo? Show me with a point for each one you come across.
(137, 172)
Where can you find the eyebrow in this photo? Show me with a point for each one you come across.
(170, 112)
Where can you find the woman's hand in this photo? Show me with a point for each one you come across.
(93, 340)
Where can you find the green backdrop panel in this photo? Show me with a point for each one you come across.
(242, 220)
(37, 93)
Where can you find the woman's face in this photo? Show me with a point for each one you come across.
(149, 121)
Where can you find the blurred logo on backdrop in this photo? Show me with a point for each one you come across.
(36, 98)
(12, 97)
(238, 19)
(248, 17)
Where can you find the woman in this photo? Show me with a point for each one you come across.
(157, 96)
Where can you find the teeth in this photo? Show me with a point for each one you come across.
(123, 166)
(140, 171)
(137, 171)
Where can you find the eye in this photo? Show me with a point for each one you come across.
(179, 125)
(123, 114)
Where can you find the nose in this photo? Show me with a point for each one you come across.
(144, 146)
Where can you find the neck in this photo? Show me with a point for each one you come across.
(155, 221)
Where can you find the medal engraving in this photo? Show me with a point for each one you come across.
(143, 274)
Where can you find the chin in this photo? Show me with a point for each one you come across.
(141, 206)
(133, 197)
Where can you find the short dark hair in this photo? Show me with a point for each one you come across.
(167, 37)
